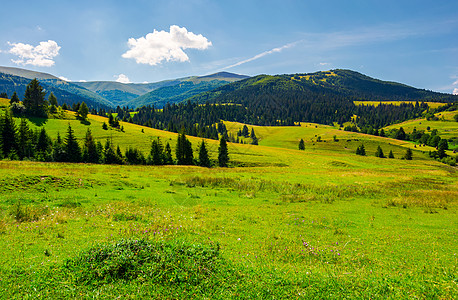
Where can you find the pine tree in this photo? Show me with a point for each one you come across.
(408, 155)
(58, 151)
(204, 160)
(110, 154)
(8, 134)
(90, 153)
(157, 152)
(379, 152)
(83, 111)
(34, 99)
(223, 155)
(301, 145)
(14, 98)
(71, 147)
(168, 155)
(391, 155)
(44, 142)
(24, 140)
(184, 151)
(53, 103)
(441, 147)
(361, 150)
(245, 131)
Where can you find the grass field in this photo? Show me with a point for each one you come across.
(321, 223)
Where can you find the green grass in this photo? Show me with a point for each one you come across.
(321, 223)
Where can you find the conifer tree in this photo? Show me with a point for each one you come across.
(58, 151)
(90, 153)
(204, 160)
(110, 154)
(379, 152)
(168, 155)
(53, 103)
(301, 145)
(83, 110)
(223, 154)
(43, 142)
(157, 153)
(391, 155)
(361, 150)
(34, 99)
(71, 147)
(8, 134)
(183, 151)
(24, 140)
(409, 154)
(14, 98)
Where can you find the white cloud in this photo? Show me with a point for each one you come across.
(159, 46)
(41, 55)
(82, 80)
(455, 91)
(64, 78)
(324, 64)
(122, 78)
(274, 50)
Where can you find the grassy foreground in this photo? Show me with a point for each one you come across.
(302, 224)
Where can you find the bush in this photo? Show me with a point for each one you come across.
(159, 262)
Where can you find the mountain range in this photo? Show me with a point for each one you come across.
(223, 87)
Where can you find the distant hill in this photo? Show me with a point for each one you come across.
(158, 93)
(340, 83)
(16, 80)
(184, 89)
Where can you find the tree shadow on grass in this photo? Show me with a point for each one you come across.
(85, 122)
(38, 121)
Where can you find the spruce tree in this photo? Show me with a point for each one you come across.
(34, 99)
(391, 155)
(223, 155)
(379, 152)
(441, 147)
(204, 160)
(168, 155)
(14, 98)
(71, 147)
(156, 153)
(53, 103)
(90, 153)
(83, 111)
(301, 145)
(44, 142)
(24, 140)
(409, 154)
(58, 151)
(110, 154)
(183, 151)
(8, 134)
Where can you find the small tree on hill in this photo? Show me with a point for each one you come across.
(301, 145)
(83, 111)
(8, 134)
(204, 160)
(184, 151)
(71, 147)
(52, 103)
(14, 98)
(223, 154)
(408, 155)
(379, 152)
(34, 99)
(391, 155)
(361, 150)
(168, 159)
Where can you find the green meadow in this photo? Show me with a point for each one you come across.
(279, 223)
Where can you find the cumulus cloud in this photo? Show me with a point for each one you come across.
(455, 91)
(122, 78)
(274, 50)
(64, 78)
(40, 56)
(159, 46)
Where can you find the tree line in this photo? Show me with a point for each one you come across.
(21, 142)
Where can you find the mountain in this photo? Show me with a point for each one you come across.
(158, 93)
(184, 88)
(341, 83)
(16, 80)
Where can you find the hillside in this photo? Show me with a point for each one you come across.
(158, 93)
(16, 80)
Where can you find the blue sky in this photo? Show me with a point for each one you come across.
(413, 42)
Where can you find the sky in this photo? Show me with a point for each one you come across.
(412, 42)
